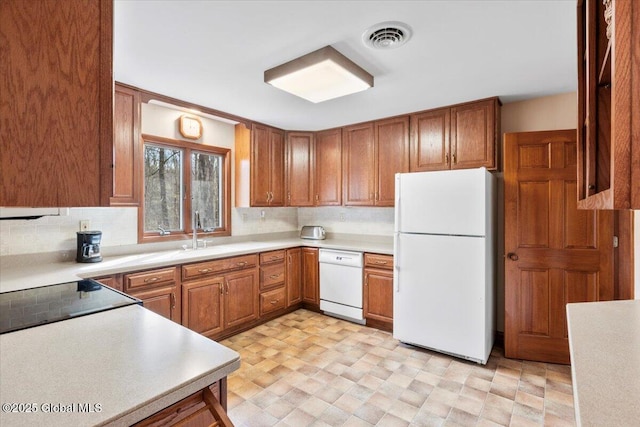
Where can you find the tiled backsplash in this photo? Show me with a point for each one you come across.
(119, 226)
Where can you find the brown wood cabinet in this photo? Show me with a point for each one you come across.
(378, 290)
(126, 146)
(158, 289)
(272, 281)
(372, 154)
(328, 168)
(608, 95)
(300, 168)
(262, 182)
(114, 281)
(220, 294)
(310, 278)
(294, 276)
(207, 407)
(57, 109)
(462, 136)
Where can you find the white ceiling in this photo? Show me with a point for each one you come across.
(214, 53)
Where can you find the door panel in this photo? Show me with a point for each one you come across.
(392, 144)
(556, 254)
(358, 150)
(430, 141)
(328, 168)
(276, 158)
(241, 297)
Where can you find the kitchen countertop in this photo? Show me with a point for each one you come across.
(23, 272)
(129, 361)
(604, 339)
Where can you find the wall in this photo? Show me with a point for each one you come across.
(349, 220)
(637, 254)
(546, 113)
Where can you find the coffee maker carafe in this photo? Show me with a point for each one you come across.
(89, 246)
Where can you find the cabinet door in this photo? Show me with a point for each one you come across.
(164, 301)
(202, 306)
(473, 135)
(392, 156)
(328, 168)
(430, 141)
(358, 153)
(378, 295)
(310, 276)
(241, 297)
(276, 176)
(300, 147)
(294, 272)
(114, 281)
(126, 135)
(260, 165)
(57, 103)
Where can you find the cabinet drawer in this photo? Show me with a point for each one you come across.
(272, 300)
(271, 276)
(271, 257)
(378, 261)
(203, 269)
(147, 279)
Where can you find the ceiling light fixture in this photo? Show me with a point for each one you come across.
(319, 76)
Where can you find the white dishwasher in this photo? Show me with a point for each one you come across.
(341, 284)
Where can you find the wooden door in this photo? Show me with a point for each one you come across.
(473, 135)
(556, 254)
(260, 165)
(328, 168)
(430, 140)
(378, 295)
(276, 167)
(202, 306)
(310, 277)
(358, 154)
(126, 150)
(300, 188)
(164, 301)
(392, 156)
(294, 276)
(241, 297)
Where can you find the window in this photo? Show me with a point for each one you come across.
(184, 184)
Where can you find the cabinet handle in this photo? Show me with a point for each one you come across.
(205, 270)
(273, 302)
(381, 262)
(317, 197)
(227, 283)
(289, 259)
(241, 263)
(274, 276)
(289, 196)
(151, 279)
(446, 158)
(173, 300)
(454, 158)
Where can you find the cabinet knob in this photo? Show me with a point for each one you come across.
(446, 158)
(513, 256)
(151, 279)
(453, 156)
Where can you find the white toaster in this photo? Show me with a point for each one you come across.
(313, 232)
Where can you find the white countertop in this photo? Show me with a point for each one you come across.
(26, 272)
(604, 339)
(129, 361)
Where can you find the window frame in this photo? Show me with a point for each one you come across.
(187, 148)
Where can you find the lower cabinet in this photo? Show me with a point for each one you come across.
(158, 289)
(378, 290)
(207, 407)
(310, 278)
(294, 276)
(113, 281)
(220, 295)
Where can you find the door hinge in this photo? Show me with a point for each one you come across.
(615, 241)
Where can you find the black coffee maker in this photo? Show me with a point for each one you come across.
(89, 246)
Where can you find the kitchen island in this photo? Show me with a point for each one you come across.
(604, 339)
(113, 368)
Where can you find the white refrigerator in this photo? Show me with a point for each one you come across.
(444, 263)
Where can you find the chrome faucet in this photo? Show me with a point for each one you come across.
(163, 232)
(196, 223)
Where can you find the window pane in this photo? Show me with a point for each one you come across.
(206, 189)
(162, 188)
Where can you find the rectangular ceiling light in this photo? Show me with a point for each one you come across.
(319, 76)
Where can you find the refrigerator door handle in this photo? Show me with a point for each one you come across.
(396, 261)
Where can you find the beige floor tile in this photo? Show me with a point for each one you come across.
(307, 369)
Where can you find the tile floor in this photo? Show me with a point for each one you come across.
(307, 369)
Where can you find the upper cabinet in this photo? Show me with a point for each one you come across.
(126, 146)
(328, 168)
(259, 164)
(299, 167)
(57, 121)
(459, 137)
(608, 94)
(372, 154)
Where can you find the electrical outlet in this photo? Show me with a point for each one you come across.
(85, 224)
(342, 217)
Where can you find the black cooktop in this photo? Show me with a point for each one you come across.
(37, 306)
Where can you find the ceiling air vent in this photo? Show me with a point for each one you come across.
(387, 35)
